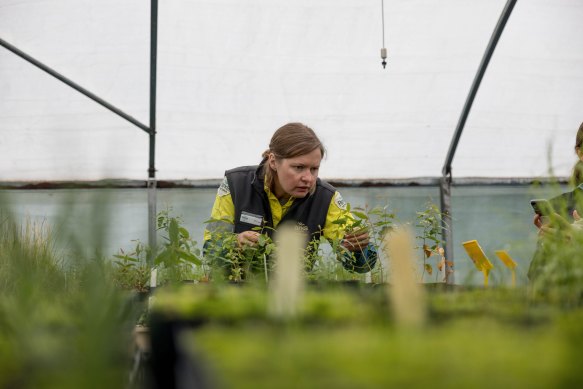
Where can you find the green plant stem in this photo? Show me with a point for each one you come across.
(265, 267)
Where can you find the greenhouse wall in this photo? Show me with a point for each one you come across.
(108, 221)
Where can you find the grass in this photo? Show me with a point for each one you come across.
(463, 354)
(61, 320)
(345, 337)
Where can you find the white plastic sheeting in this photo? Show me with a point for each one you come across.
(232, 71)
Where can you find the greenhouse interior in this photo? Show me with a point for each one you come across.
(276, 194)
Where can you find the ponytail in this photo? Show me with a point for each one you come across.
(577, 175)
(266, 171)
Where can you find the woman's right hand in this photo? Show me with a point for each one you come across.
(356, 241)
(247, 238)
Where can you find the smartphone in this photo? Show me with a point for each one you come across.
(542, 207)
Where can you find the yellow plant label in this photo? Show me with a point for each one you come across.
(477, 255)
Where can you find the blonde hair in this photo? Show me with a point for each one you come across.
(577, 175)
(289, 141)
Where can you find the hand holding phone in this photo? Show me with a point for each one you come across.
(547, 219)
(542, 207)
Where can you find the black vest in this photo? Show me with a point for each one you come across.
(252, 205)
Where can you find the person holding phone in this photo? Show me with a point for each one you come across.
(285, 186)
(570, 203)
(560, 212)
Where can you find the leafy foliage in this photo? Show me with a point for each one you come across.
(239, 262)
(556, 271)
(431, 225)
(129, 271)
(178, 246)
(177, 258)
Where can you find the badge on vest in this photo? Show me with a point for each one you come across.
(340, 203)
(251, 218)
(224, 188)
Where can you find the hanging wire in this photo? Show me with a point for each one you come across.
(383, 19)
(383, 49)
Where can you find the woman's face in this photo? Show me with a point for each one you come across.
(295, 176)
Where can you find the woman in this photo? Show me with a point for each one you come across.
(285, 187)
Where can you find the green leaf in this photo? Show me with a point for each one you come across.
(261, 240)
(189, 257)
(162, 258)
(126, 258)
(173, 230)
(361, 215)
(184, 232)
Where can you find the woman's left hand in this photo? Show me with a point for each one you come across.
(356, 241)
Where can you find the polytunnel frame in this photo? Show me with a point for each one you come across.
(150, 130)
(446, 179)
(444, 183)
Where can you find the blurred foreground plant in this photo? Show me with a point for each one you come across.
(556, 272)
(61, 318)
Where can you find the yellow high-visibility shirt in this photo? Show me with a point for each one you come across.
(224, 209)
